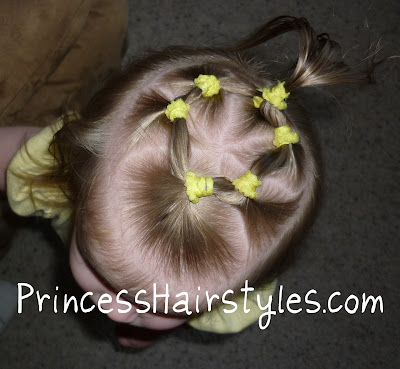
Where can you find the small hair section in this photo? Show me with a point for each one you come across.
(284, 136)
(177, 109)
(247, 184)
(208, 84)
(275, 95)
(197, 187)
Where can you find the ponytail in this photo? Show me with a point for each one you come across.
(319, 62)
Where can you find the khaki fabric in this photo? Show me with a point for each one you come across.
(54, 54)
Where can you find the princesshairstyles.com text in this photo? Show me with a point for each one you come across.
(248, 300)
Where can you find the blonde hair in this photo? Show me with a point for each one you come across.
(222, 137)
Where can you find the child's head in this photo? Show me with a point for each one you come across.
(129, 163)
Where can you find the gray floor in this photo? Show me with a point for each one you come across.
(351, 248)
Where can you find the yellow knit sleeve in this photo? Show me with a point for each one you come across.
(24, 196)
(218, 321)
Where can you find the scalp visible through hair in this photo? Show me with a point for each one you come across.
(198, 238)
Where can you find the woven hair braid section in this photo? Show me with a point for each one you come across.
(276, 158)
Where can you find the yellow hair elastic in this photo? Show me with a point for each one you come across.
(247, 184)
(275, 95)
(257, 101)
(209, 84)
(197, 187)
(177, 109)
(284, 136)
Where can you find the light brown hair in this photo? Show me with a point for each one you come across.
(124, 131)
